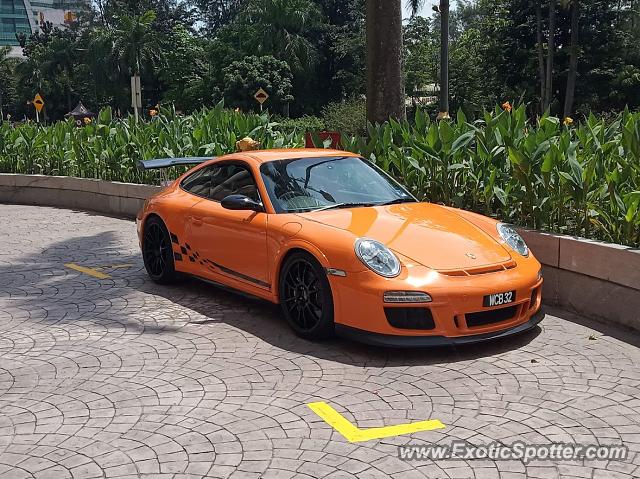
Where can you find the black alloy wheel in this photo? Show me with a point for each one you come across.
(305, 297)
(157, 252)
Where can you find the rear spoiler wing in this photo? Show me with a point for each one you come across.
(169, 162)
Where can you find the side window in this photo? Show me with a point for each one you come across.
(233, 180)
(199, 183)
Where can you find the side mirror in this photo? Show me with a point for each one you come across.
(241, 202)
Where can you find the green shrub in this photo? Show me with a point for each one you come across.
(110, 149)
(348, 117)
(302, 124)
(581, 179)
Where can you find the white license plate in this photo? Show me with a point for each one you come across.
(499, 299)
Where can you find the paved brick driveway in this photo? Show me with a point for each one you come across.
(119, 377)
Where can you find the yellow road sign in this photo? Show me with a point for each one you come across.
(38, 102)
(354, 434)
(261, 96)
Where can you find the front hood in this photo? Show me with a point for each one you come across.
(426, 233)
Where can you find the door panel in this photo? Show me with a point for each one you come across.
(231, 243)
(175, 214)
(224, 242)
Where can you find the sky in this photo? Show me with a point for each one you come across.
(426, 9)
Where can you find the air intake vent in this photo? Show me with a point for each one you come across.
(410, 318)
(534, 298)
(480, 269)
(483, 318)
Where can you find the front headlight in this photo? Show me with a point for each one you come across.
(377, 257)
(510, 236)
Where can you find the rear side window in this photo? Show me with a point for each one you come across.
(199, 183)
(218, 182)
(233, 180)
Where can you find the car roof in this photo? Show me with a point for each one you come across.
(263, 156)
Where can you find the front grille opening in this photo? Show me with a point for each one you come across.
(534, 298)
(410, 318)
(482, 318)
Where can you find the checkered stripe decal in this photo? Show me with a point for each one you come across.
(185, 251)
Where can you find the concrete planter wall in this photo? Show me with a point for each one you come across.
(119, 199)
(594, 279)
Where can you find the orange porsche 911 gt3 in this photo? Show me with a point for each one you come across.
(342, 247)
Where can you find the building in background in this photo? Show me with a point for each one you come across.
(27, 16)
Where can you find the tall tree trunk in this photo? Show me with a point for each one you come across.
(385, 89)
(618, 13)
(444, 58)
(573, 59)
(540, 47)
(551, 46)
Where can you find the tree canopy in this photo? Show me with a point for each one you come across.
(311, 53)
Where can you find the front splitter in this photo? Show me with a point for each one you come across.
(396, 341)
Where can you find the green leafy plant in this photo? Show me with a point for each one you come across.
(581, 179)
(548, 174)
(110, 149)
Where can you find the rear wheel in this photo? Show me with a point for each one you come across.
(157, 252)
(305, 297)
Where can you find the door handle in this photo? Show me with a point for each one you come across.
(196, 221)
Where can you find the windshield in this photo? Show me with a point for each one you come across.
(309, 184)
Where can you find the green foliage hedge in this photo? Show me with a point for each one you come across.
(581, 179)
(109, 148)
(545, 174)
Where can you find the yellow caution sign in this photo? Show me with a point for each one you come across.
(38, 102)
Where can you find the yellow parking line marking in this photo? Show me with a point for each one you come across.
(355, 434)
(89, 271)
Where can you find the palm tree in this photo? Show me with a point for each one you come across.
(131, 41)
(217, 13)
(6, 68)
(573, 55)
(443, 9)
(60, 64)
(135, 41)
(444, 59)
(551, 47)
(540, 48)
(385, 89)
(279, 28)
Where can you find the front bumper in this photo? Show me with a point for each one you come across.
(396, 341)
(457, 310)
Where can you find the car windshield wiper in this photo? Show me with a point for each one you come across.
(344, 205)
(398, 201)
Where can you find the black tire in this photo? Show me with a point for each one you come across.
(305, 297)
(157, 252)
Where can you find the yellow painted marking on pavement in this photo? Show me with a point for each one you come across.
(89, 271)
(355, 434)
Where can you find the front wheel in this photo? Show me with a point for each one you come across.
(157, 252)
(305, 297)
